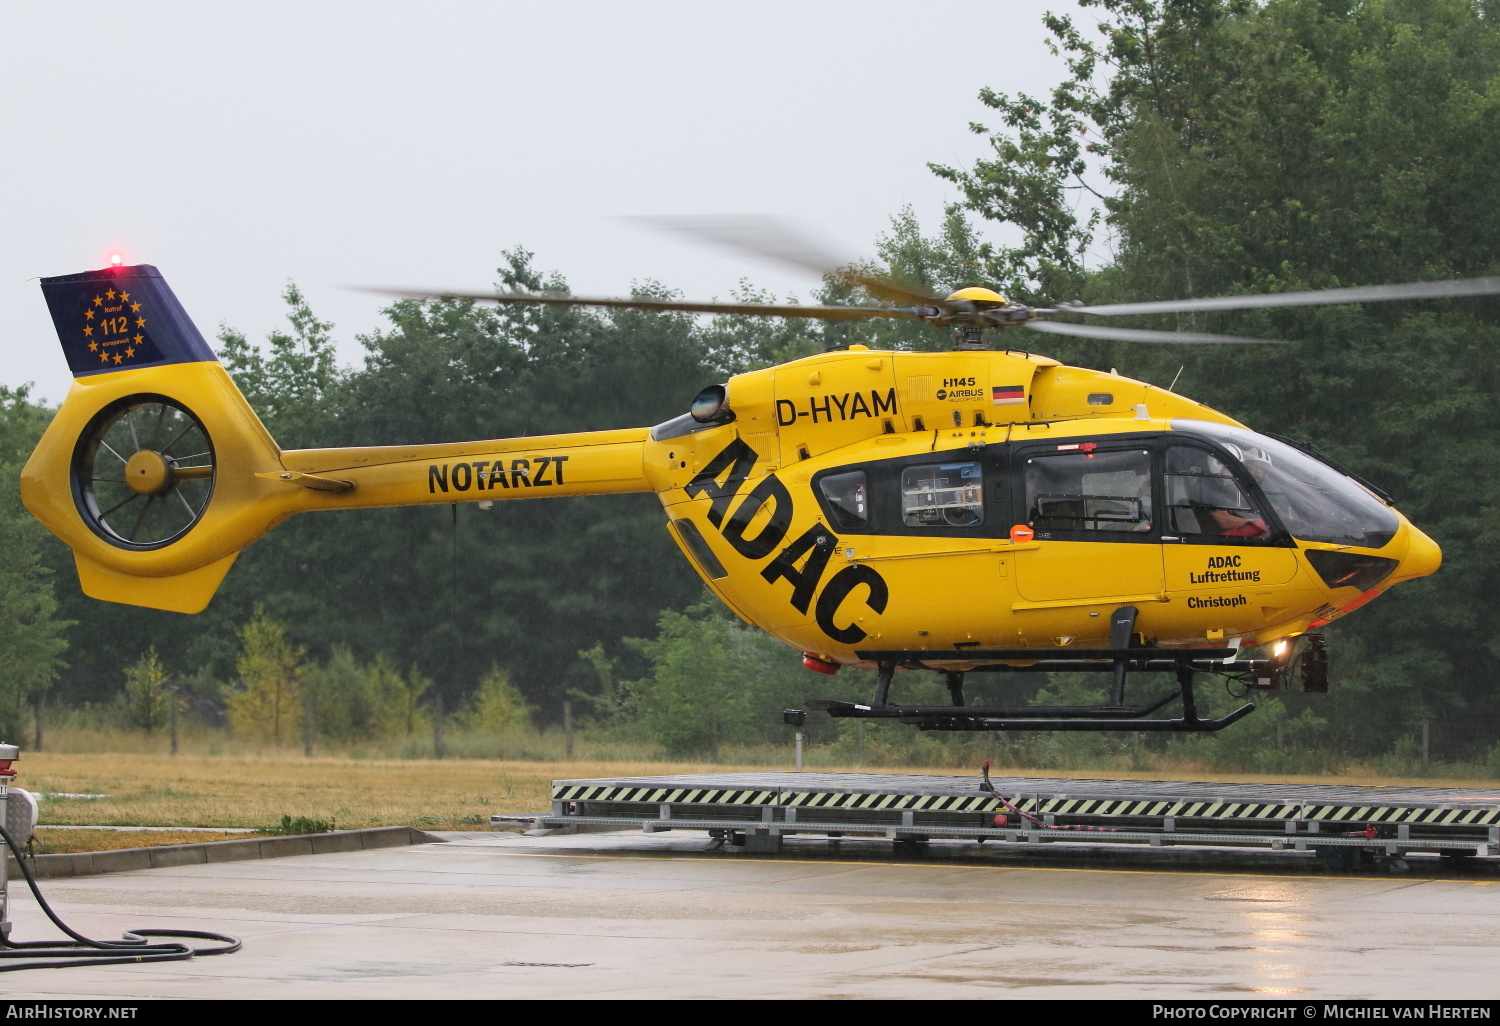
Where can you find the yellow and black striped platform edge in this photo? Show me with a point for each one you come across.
(1088, 807)
(875, 800)
(665, 795)
(1260, 810)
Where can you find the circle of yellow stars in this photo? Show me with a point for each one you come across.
(140, 322)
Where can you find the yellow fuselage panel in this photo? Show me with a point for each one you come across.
(782, 566)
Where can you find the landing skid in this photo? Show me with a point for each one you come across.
(1120, 660)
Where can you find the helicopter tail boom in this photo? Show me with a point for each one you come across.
(547, 466)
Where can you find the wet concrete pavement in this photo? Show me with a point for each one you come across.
(632, 915)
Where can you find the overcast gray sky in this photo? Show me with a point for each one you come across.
(335, 143)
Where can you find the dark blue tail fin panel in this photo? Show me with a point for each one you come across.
(119, 318)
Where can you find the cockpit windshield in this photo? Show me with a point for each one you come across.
(1314, 501)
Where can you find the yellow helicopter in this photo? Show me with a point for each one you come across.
(973, 510)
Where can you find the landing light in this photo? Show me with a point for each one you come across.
(711, 405)
(1279, 650)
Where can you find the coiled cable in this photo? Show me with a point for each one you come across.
(131, 948)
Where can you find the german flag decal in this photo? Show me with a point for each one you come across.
(1007, 395)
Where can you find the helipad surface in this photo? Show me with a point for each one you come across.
(630, 915)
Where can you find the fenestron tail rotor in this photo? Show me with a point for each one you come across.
(143, 472)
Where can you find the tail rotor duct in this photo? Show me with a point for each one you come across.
(143, 472)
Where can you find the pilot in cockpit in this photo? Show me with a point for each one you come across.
(1205, 498)
(1231, 523)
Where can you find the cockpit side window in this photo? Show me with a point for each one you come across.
(1097, 493)
(1313, 501)
(1206, 501)
(846, 498)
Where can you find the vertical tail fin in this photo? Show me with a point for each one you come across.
(121, 318)
(128, 474)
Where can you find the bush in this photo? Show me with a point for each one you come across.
(498, 706)
(300, 825)
(353, 702)
(715, 681)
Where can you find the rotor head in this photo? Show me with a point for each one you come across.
(975, 294)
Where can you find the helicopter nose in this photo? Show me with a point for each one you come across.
(1423, 557)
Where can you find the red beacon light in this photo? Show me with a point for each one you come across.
(819, 665)
(116, 260)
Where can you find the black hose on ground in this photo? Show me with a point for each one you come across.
(132, 948)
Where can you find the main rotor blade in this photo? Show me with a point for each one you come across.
(774, 238)
(831, 313)
(1450, 289)
(762, 235)
(1136, 334)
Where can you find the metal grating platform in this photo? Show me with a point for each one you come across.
(757, 809)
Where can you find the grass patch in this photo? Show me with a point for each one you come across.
(275, 786)
(244, 791)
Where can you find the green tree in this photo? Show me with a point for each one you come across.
(354, 702)
(694, 699)
(498, 704)
(414, 692)
(268, 701)
(292, 383)
(147, 690)
(733, 344)
(714, 680)
(31, 633)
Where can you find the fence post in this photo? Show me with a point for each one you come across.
(38, 708)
